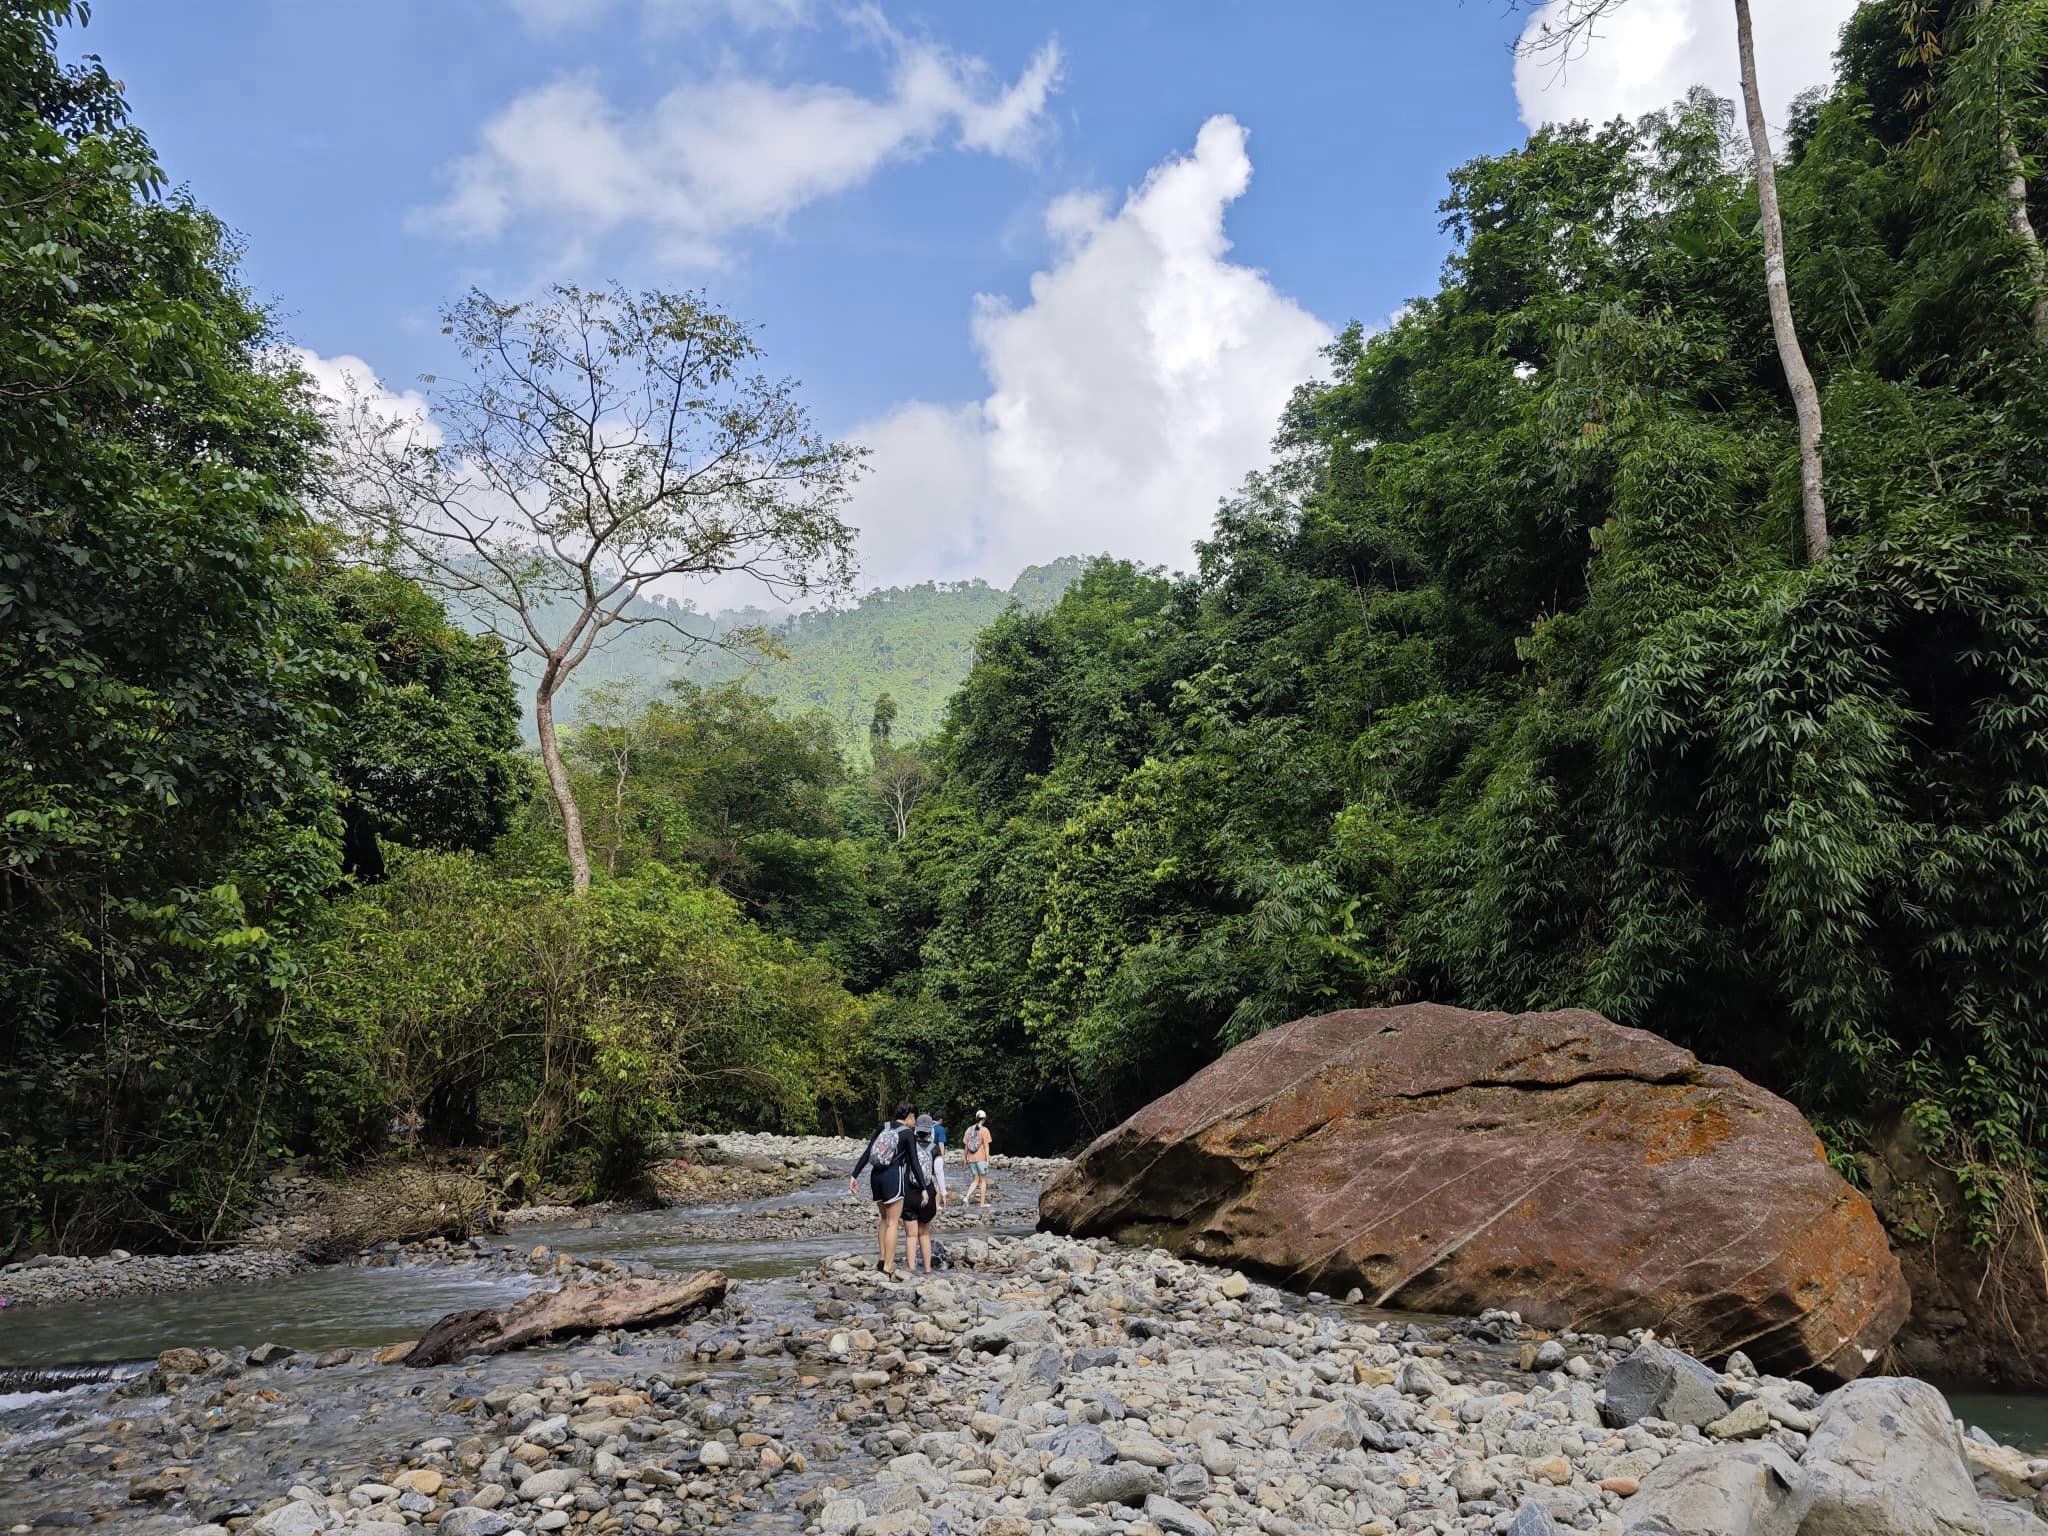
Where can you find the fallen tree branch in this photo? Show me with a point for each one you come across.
(566, 1313)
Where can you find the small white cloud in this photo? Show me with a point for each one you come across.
(1138, 385)
(347, 383)
(733, 153)
(1649, 53)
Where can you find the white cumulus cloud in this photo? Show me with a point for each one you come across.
(714, 157)
(1648, 53)
(1140, 382)
(347, 383)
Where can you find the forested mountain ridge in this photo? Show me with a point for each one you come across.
(914, 643)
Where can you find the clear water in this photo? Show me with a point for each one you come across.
(352, 1307)
(2017, 1419)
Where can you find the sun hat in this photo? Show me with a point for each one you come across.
(981, 1114)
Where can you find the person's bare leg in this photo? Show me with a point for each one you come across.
(882, 1235)
(891, 1219)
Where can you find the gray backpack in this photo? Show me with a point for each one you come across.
(882, 1152)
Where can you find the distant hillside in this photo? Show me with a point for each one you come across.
(916, 643)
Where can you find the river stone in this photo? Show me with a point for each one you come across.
(1660, 1383)
(1082, 1442)
(1722, 1491)
(1885, 1461)
(295, 1519)
(1018, 1328)
(545, 1485)
(839, 1516)
(2003, 1519)
(1123, 1483)
(1553, 1164)
(473, 1522)
(1743, 1422)
(1176, 1519)
(270, 1354)
(1187, 1480)
(1532, 1520)
(1332, 1427)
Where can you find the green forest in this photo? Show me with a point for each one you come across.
(1518, 679)
(914, 643)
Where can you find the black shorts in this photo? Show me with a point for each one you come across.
(921, 1206)
(887, 1184)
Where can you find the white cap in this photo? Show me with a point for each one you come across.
(981, 1114)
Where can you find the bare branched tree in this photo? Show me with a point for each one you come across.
(898, 781)
(605, 442)
(1568, 29)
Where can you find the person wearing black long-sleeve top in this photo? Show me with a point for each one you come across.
(890, 1177)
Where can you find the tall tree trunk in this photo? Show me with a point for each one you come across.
(558, 777)
(2022, 226)
(2016, 199)
(1805, 398)
(623, 762)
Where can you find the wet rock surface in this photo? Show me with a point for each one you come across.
(1585, 1175)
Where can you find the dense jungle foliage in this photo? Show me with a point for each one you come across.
(1507, 684)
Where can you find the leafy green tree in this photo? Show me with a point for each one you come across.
(883, 722)
(1571, 29)
(568, 1031)
(162, 815)
(425, 727)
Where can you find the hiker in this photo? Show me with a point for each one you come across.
(939, 1131)
(894, 1174)
(921, 1210)
(977, 1144)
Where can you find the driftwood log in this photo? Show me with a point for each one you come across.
(572, 1310)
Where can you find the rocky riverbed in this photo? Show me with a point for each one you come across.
(1044, 1385)
(746, 1170)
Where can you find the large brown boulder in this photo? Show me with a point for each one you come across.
(1588, 1176)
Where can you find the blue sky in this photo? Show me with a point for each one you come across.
(1057, 263)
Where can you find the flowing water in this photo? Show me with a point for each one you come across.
(353, 1306)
